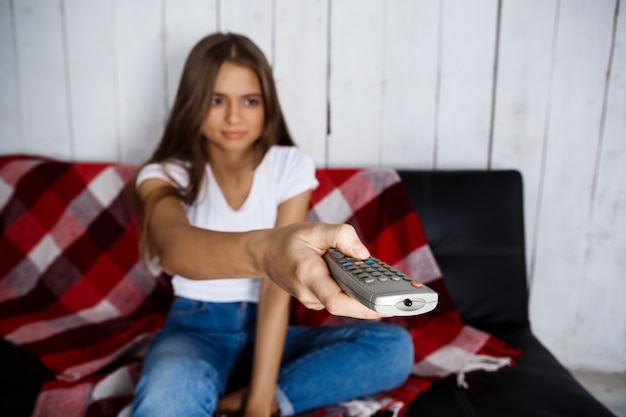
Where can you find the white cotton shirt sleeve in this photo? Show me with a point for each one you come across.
(171, 172)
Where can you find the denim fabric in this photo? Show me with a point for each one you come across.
(189, 363)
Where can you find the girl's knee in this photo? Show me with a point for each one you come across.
(402, 340)
(396, 346)
(177, 386)
(395, 339)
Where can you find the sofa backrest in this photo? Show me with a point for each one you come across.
(474, 223)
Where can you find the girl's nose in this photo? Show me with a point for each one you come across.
(233, 113)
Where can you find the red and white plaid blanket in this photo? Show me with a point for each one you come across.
(74, 293)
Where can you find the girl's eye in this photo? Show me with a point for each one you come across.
(217, 101)
(251, 102)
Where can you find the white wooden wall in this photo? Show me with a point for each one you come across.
(535, 85)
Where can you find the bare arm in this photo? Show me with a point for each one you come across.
(183, 248)
(302, 272)
(272, 323)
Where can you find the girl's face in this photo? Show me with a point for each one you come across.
(237, 115)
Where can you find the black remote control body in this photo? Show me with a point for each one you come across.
(380, 286)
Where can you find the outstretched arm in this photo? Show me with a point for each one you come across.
(182, 249)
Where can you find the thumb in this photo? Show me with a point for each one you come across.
(348, 242)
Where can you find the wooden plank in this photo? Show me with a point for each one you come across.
(602, 312)
(43, 90)
(410, 83)
(186, 22)
(466, 80)
(254, 19)
(523, 83)
(11, 140)
(577, 96)
(141, 76)
(91, 70)
(357, 29)
(300, 70)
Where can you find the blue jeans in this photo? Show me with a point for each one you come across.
(190, 361)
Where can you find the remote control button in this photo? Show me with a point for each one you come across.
(376, 274)
(369, 280)
(358, 263)
(416, 284)
(383, 279)
(395, 278)
(346, 264)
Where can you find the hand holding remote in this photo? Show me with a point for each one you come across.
(379, 286)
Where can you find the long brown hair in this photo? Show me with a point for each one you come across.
(182, 138)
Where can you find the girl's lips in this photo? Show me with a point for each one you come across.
(233, 134)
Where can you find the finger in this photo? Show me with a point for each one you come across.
(309, 300)
(348, 242)
(313, 304)
(338, 302)
(344, 305)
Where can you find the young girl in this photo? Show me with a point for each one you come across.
(226, 164)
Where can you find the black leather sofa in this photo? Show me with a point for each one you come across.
(475, 225)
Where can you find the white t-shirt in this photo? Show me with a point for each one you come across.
(284, 173)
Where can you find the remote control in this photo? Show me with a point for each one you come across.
(380, 286)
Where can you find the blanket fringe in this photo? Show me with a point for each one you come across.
(481, 363)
